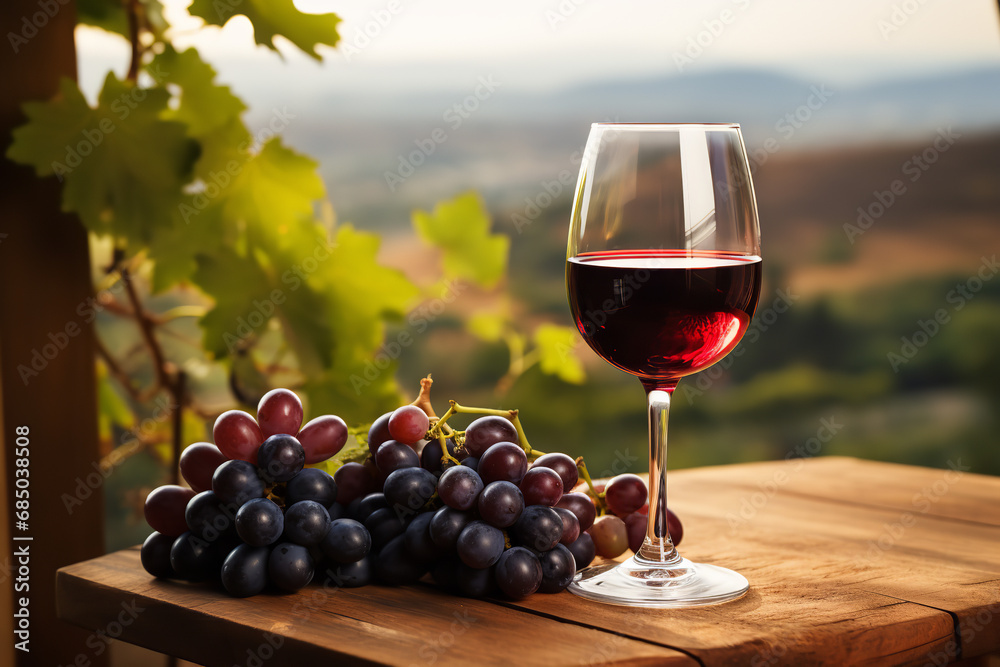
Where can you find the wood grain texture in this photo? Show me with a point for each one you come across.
(841, 573)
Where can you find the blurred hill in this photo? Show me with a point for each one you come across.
(506, 142)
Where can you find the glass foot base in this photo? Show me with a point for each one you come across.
(645, 584)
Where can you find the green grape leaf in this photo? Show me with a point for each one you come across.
(272, 192)
(173, 248)
(203, 105)
(461, 228)
(273, 17)
(362, 295)
(487, 326)
(556, 348)
(248, 292)
(122, 163)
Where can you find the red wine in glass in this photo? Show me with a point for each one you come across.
(663, 314)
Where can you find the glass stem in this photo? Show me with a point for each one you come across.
(658, 547)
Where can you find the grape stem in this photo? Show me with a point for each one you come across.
(455, 408)
(602, 505)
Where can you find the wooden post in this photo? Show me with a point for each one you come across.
(44, 278)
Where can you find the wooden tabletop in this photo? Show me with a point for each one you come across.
(849, 562)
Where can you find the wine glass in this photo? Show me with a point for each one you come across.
(663, 274)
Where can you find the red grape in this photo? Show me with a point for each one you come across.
(610, 536)
(488, 431)
(164, 509)
(674, 527)
(571, 526)
(378, 433)
(323, 437)
(279, 411)
(408, 424)
(503, 461)
(635, 524)
(198, 464)
(353, 481)
(564, 466)
(541, 486)
(582, 506)
(237, 435)
(625, 494)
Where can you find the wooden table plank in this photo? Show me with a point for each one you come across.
(414, 625)
(953, 493)
(832, 582)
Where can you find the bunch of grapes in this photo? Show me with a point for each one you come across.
(466, 507)
(254, 514)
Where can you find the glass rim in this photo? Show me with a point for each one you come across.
(651, 126)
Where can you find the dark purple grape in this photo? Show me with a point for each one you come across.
(244, 572)
(583, 551)
(479, 545)
(379, 433)
(155, 555)
(558, 568)
(503, 461)
(191, 558)
(350, 575)
(260, 522)
(306, 523)
(539, 528)
(459, 487)
(311, 484)
(237, 482)
(500, 504)
(471, 462)
(518, 573)
(392, 456)
(290, 567)
(353, 481)
(446, 525)
(564, 466)
(625, 494)
(445, 573)
(541, 486)
(571, 525)
(431, 455)
(476, 583)
(582, 506)
(409, 489)
(337, 511)
(485, 432)
(280, 458)
(347, 541)
(208, 517)
(384, 525)
(394, 566)
(368, 504)
(408, 424)
(417, 537)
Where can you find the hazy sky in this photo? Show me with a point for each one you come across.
(546, 43)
